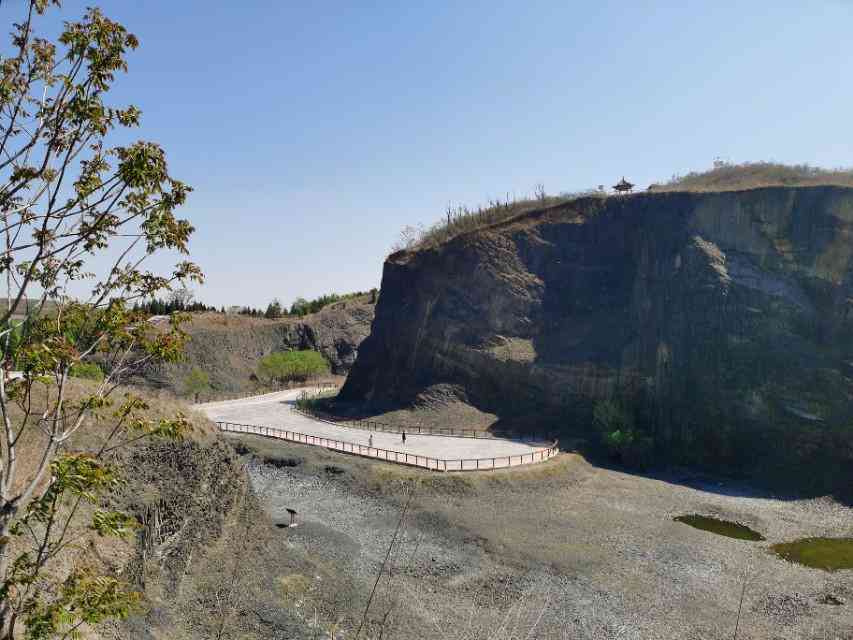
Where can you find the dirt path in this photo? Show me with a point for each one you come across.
(274, 410)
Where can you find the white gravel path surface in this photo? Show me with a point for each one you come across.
(274, 410)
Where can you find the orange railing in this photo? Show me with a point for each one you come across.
(399, 457)
(384, 427)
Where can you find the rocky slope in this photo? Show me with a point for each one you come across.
(201, 551)
(722, 320)
(229, 347)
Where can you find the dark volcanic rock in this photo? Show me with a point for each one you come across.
(715, 314)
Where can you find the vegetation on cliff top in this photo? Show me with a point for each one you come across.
(461, 219)
(723, 176)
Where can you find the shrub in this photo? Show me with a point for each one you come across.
(315, 402)
(87, 371)
(302, 307)
(622, 439)
(196, 383)
(288, 366)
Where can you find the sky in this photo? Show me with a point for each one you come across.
(313, 132)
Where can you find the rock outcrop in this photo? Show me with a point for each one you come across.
(716, 316)
(228, 347)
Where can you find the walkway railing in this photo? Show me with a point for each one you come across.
(373, 425)
(399, 457)
(248, 395)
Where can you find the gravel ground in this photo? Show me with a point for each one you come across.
(561, 549)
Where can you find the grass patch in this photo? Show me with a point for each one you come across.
(461, 219)
(721, 527)
(389, 478)
(829, 554)
(87, 371)
(752, 175)
(724, 176)
(316, 402)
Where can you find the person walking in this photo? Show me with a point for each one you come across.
(404, 437)
(370, 441)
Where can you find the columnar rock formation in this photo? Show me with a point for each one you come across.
(714, 315)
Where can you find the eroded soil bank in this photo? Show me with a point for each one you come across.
(558, 550)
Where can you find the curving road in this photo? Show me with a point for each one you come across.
(273, 410)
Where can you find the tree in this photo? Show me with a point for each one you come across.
(273, 309)
(67, 197)
(181, 298)
(619, 433)
(288, 366)
(299, 307)
(196, 382)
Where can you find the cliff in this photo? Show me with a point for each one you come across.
(721, 319)
(228, 347)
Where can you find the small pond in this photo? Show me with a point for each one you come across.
(829, 554)
(720, 527)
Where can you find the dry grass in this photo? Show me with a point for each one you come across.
(723, 177)
(390, 479)
(442, 416)
(94, 430)
(107, 555)
(459, 220)
(752, 175)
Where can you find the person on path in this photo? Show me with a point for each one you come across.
(370, 441)
(404, 437)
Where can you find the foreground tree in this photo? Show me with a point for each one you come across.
(65, 197)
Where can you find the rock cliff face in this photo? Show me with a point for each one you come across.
(228, 348)
(713, 314)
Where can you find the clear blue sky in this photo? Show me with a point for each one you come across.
(313, 132)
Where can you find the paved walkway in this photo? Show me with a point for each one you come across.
(273, 410)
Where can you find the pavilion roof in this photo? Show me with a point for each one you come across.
(623, 185)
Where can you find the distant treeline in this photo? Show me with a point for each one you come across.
(159, 307)
(275, 309)
(302, 307)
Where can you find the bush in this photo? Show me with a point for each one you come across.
(196, 383)
(623, 440)
(87, 371)
(315, 402)
(302, 307)
(289, 366)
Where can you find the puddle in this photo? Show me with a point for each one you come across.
(829, 554)
(721, 527)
